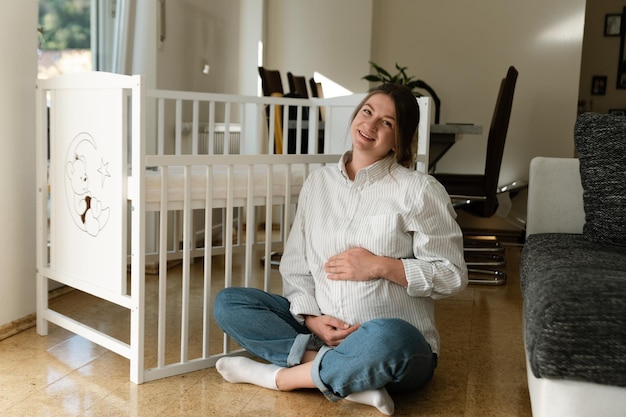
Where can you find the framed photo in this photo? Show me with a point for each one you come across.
(612, 24)
(618, 112)
(598, 85)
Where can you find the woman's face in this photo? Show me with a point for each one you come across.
(374, 126)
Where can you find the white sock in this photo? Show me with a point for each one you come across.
(378, 398)
(239, 369)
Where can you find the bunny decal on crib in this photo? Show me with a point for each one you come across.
(83, 166)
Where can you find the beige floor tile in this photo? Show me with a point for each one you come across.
(481, 369)
(498, 400)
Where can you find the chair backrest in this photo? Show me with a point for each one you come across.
(271, 82)
(314, 87)
(297, 85)
(497, 138)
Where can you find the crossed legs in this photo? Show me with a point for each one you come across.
(358, 369)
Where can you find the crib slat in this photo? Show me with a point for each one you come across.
(162, 301)
(178, 127)
(227, 128)
(268, 228)
(194, 128)
(187, 242)
(160, 145)
(286, 223)
(272, 132)
(298, 129)
(228, 239)
(311, 130)
(211, 138)
(227, 226)
(250, 227)
(208, 263)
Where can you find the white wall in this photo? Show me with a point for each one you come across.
(199, 32)
(331, 37)
(18, 46)
(600, 56)
(298, 35)
(462, 49)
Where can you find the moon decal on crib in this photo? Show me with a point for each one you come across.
(86, 173)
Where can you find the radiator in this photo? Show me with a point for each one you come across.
(219, 137)
(234, 140)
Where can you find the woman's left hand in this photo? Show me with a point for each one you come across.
(356, 264)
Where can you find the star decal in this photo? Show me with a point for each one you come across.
(103, 170)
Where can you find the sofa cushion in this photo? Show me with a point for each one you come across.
(601, 143)
(574, 294)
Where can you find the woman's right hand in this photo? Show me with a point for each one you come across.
(330, 330)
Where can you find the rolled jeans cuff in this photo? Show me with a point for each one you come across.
(315, 375)
(300, 345)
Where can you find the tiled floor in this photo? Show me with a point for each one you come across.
(481, 373)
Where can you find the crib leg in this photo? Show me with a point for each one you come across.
(42, 305)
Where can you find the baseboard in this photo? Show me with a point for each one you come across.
(17, 326)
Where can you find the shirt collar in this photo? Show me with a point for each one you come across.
(371, 173)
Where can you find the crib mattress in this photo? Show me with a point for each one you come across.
(283, 181)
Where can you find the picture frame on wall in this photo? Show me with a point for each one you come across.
(598, 85)
(612, 24)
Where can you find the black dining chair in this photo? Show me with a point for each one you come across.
(271, 81)
(297, 85)
(478, 193)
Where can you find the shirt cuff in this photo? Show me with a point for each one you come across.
(419, 277)
(304, 306)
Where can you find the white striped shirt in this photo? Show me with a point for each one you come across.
(391, 211)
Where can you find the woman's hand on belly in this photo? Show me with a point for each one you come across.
(330, 330)
(358, 264)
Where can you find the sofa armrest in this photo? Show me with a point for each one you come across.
(555, 196)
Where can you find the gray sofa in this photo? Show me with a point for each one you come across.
(573, 275)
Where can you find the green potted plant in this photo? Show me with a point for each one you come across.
(384, 76)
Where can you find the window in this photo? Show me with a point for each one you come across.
(76, 36)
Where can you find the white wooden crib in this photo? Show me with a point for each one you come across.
(128, 178)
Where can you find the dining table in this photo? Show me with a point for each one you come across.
(444, 136)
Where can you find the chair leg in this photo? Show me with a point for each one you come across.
(486, 260)
(487, 252)
(486, 276)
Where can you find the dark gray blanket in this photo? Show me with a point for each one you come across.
(574, 294)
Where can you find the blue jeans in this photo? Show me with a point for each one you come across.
(387, 353)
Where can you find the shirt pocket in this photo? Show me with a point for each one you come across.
(382, 233)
